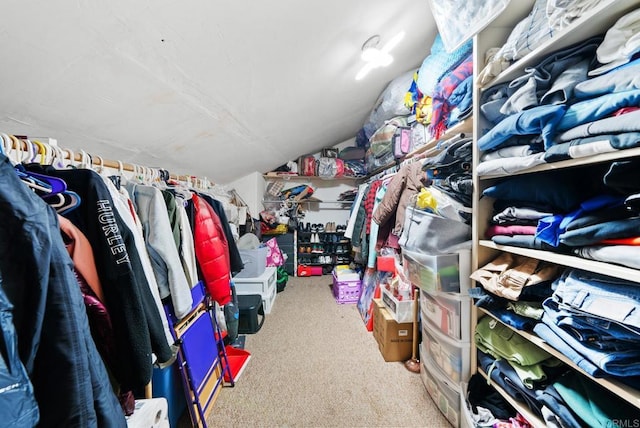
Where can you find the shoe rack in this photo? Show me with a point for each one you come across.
(322, 245)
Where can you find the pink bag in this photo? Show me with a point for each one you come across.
(401, 142)
(307, 166)
(275, 257)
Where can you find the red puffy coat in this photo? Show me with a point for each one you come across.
(212, 251)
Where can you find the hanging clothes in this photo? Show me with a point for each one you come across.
(136, 321)
(172, 212)
(211, 249)
(151, 209)
(406, 183)
(126, 209)
(70, 381)
(187, 250)
(235, 260)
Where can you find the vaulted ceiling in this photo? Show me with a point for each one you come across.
(210, 88)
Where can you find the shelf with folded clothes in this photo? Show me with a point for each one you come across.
(549, 166)
(562, 142)
(601, 16)
(603, 268)
(520, 407)
(623, 391)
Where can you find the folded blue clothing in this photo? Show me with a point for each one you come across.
(538, 120)
(597, 108)
(589, 146)
(562, 190)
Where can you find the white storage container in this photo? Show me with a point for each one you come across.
(400, 310)
(268, 299)
(448, 313)
(448, 273)
(446, 395)
(452, 357)
(265, 285)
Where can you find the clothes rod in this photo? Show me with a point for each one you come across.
(36, 147)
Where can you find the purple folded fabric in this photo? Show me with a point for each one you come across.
(512, 230)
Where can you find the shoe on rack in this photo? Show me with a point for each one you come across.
(320, 228)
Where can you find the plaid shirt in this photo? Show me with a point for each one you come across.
(369, 201)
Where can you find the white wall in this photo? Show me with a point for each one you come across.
(250, 188)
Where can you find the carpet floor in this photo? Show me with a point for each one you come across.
(314, 364)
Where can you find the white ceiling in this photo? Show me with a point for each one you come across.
(209, 88)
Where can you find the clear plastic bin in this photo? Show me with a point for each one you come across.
(447, 273)
(448, 313)
(452, 357)
(445, 394)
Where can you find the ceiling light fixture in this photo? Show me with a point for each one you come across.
(375, 57)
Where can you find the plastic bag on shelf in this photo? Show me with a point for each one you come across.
(459, 20)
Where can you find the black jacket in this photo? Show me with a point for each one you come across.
(136, 321)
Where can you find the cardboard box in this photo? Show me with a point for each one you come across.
(394, 339)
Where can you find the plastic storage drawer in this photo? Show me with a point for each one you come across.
(445, 394)
(268, 299)
(449, 313)
(265, 285)
(257, 285)
(448, 273)
(452, 357)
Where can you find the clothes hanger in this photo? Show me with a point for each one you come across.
(71, 201)
(99, 168)
(158, 181)
(21, 149)
(7, 147)
(57, 185)
(42, 152)
(58, 158)
(85, 160)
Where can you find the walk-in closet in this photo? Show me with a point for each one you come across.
(343, 214)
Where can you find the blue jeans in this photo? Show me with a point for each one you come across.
(500, 372)
(618, 363)
(552, 339)
(608, 304)
(70, 381)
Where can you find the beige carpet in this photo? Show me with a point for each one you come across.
(314, 364)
